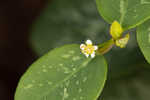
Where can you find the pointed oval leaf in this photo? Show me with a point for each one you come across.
(130, 13)
(143, 38)
(63, 74)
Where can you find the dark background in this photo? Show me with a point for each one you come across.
(16, 18)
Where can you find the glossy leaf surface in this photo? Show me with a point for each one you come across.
(63, 74)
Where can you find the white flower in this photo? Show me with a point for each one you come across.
(88, 49)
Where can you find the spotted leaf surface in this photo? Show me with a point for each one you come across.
(143, 37)
(130, 13)
(63, 74)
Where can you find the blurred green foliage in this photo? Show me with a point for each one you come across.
(134, 87)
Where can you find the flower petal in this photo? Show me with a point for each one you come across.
(88, 42)
(93, 55)
(87, 55)
(82, 46)
(95, 47)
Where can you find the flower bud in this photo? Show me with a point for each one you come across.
(122, 42)
(116, 30)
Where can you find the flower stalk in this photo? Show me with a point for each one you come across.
(116, 31)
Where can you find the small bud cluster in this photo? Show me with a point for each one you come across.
(116, 32)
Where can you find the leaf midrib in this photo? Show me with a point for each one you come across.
(124, 10)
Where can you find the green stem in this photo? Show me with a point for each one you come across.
(105, 47)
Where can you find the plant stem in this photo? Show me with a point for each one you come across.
(105, 47)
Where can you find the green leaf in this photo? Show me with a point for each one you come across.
(143, 38)
(63, 74)
(129, 13)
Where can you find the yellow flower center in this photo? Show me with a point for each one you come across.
(89, 49)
